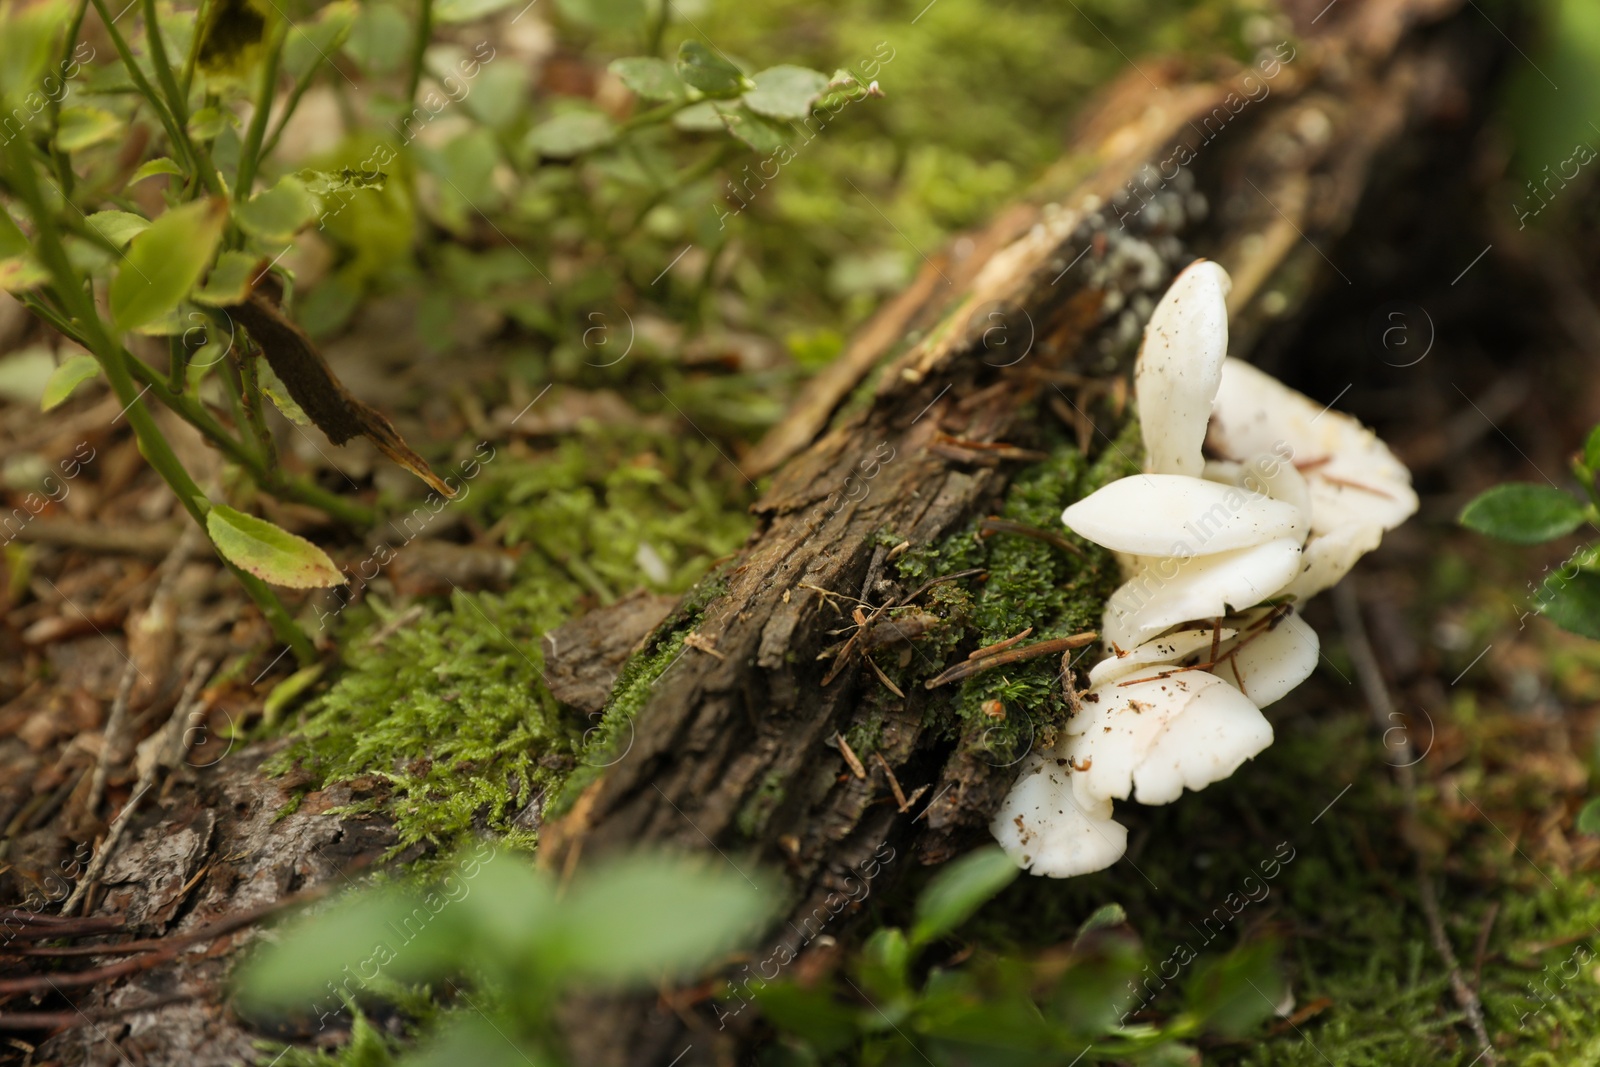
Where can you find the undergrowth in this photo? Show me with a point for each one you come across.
(450, 711)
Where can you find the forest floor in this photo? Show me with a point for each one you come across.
(1451, 822)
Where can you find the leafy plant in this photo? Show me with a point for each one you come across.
(1070, 1004)
(497, 938)
(1530, 514)
(110, 261)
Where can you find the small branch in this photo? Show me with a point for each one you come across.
(967, 668)
(1370, 674)
(1021, 529)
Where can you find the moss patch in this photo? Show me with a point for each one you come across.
(451, 711)
(1027, 583)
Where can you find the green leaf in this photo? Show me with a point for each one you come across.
(13, 242)
(328, 182)
(704, 117)
(1572, 601)
(650, 78)
(1523, 513)
(762, 134)
(21, 273)
(1591, 451)
(208, 123)
(389, 932)
(570, 133)
(704, 69)
(473, 1040)
(269, 552)
(119, 227)
(71, 374)
(604, 14)
(467, 10)
(277, 214)
(309, 45)
(785, 92)
(149, 169)
(1240, 991)
(1589, 817)
(286, 692)
(164, 262)
(962, 887)
(825, 1024)
(278, 393)
(500, 95)
(380, 40)
(885, 963)
(84, 127)
(634, 918)
(1105, 917)
(231, 280)
(28, 36)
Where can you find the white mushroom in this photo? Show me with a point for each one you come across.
(1217, 730)
(1044, 828)
(1120, 720)
(1166, 591)
(1293, 496)
(1170, 648)
(1357, 487)
(1266, 663)
(1173, 514)
(1180, 366)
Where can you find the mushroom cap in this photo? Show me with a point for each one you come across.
(1168, 649)
(1217, 731)
(1180, 367)
(1106, 741)
(1265, 665)
(1352, 475)
(1328, 557)
(1165, 592)
(1044, 828)
(1267, 473)
(1173, 514)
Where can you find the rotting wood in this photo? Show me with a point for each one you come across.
(1286, 178)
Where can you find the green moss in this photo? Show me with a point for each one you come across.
(1028, 583)
(608, 742)
(451, 712)
(762, 803)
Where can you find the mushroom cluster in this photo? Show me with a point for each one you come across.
(1216, 552)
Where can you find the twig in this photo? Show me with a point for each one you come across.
(967, 668)
(866, 625)
(56, 1020)
(1021, 529)
(117, 721)
(1370, 675)
(849, 755)
(170, 946)
(998, 646)
(884, 678)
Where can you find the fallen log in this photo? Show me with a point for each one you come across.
(757, 721)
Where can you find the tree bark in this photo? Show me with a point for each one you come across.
(733, 749)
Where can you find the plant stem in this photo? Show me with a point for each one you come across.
(115, 363)
(201, 15)
(252, 409)
(175, 130)
(272, 480)
(63, 162)
(250, 153)
(177, 100)
(419, 50)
